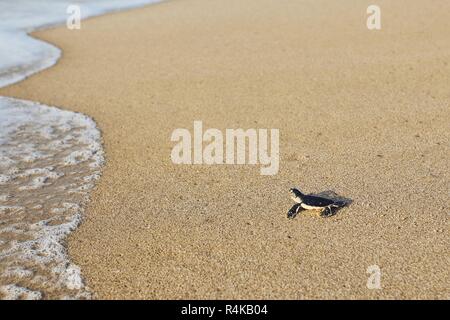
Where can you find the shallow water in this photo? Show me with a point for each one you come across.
(49, 161)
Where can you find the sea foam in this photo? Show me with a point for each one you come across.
(42, 196)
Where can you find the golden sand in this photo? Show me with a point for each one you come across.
(363, 113)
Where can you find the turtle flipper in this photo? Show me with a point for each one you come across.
(296, 208)
(339, 204)
(327, 212)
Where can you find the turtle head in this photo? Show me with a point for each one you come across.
(296, 195)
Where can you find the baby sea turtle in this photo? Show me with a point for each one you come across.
(310, 202)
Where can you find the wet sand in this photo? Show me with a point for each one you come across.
(362, 113)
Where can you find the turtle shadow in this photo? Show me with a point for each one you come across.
(336, 198)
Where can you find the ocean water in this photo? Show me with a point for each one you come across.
(49, 159)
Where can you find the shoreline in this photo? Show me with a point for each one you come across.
(50, 160)
(156, 230)
(53, 53)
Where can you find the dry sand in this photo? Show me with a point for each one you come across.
(363, 113)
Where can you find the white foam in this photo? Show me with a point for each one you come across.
(14, 292)
(32, 123)
(4, 178)
(51, 187)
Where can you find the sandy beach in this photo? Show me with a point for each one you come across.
(362, 113)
